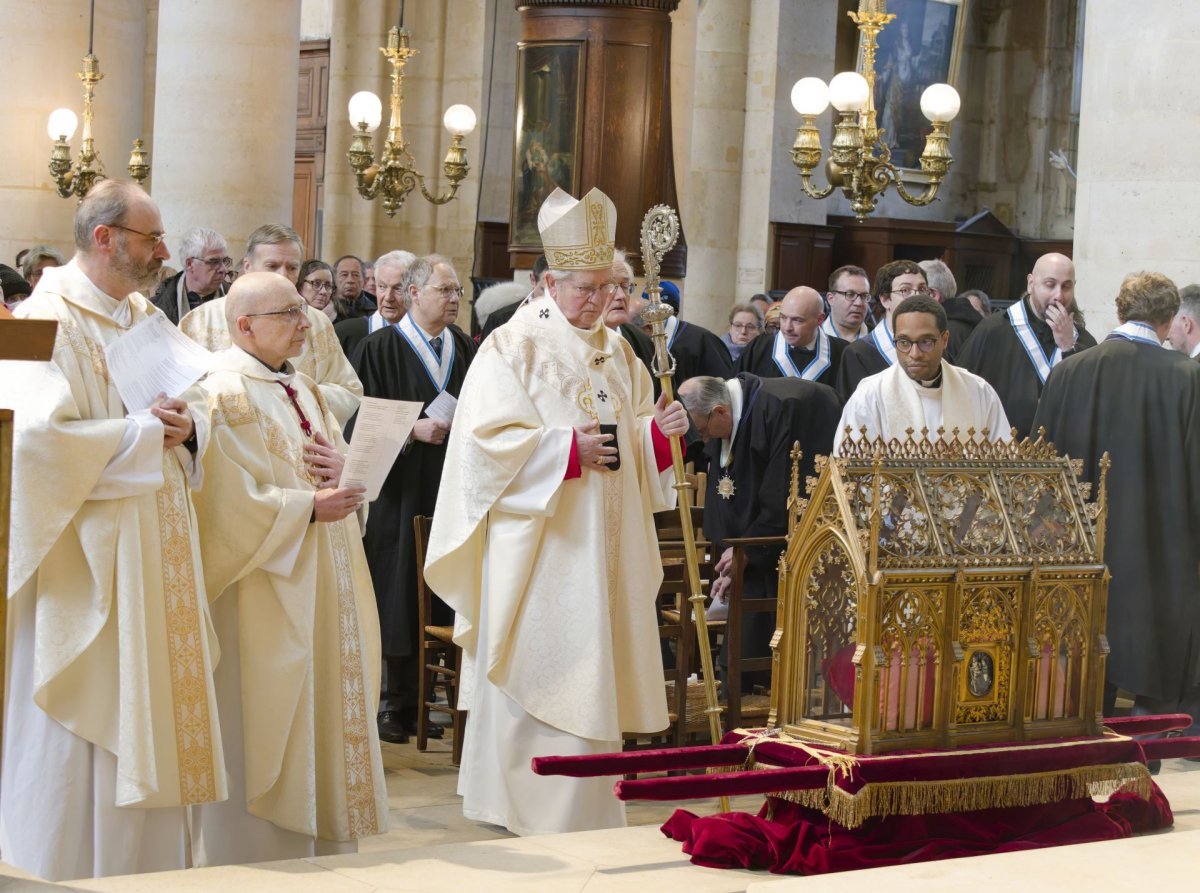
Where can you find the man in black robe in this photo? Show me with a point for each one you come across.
(498, 316)
(801, 348)
(961, 316)
(894, 282)
(417, 359)
(1016, 350)
(618, 316)
(390, 270)
(749, 425)
(1141, 404)
(696, 350)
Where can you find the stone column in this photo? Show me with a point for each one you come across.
(225, 116)
(1137, 190)
(44, 44)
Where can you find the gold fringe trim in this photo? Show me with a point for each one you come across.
(967, 794)
(837, 762)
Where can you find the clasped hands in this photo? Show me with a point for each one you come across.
(176, 419)
(594, 449)
(325, 463)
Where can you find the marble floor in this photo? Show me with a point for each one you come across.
(432, 847)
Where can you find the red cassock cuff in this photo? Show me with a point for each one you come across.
(574, 469)
(662, 446)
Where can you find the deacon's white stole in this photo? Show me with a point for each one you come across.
(672, 327)
(1137, 331)
(881, 337)
(436, 367)
(1042, 364)
(816, 367)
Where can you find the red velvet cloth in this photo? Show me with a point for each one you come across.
(797, 840)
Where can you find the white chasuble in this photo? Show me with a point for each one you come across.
(308, 633)
(323, 360)
(553, 581)
(108, 605)
(889, 403)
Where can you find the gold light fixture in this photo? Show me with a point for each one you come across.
(76, 179)
(860, 161)
(396, 175)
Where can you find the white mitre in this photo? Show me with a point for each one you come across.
(578, 235)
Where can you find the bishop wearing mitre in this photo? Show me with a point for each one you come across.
(291, 596)
(543, 539)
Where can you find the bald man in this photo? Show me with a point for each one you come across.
(1014, 351)
(291, 597)
(801, 348)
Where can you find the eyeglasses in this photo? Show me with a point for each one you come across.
(628, 287)
(447, 290)
(853, 296)
(590, 291)
(908, 291)
(745, 326)
(156, 238)
(317, 285)
(213, 262)
(293, 313)
(925, 345)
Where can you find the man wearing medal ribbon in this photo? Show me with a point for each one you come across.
(423, 358)
(1015, 350)
(543, 538)
(801, 348)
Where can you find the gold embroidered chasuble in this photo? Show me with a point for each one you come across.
(568, 580)
(307, 623)
(123, 650)
(322, 360)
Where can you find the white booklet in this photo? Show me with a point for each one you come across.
(153, 358)
(380, 432)
(442, 407)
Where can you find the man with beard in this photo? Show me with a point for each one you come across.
(801, 348)
(205, 259)
(110, 661)
(922, 390)
(1015, 350)
(389, 284)
(849, 297)
(894, 282)
(275, 248)
(1140, 404)
(421, 358)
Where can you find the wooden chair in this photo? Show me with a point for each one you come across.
(441, 659)
(742, 708)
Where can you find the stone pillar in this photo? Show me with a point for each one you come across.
(44, 44)
(1137, 190)
(225, 116)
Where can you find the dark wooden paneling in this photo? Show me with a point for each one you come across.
(801, 254)
(312, 113)
(491, 250)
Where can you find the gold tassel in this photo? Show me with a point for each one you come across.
(967, 794)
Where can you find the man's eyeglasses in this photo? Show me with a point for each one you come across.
(447, 290)
(213, 262)
(925, 345)
(293, 313)
(628, 287)
(156, 238)
(853, 296)
(317, 285)
(590, 291)
(908, 291)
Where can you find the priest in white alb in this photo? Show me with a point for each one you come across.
(543, 539)
(291, 599)
(110, 723)
(275, 248)
(921, 390)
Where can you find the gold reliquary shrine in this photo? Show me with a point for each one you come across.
(939, 593)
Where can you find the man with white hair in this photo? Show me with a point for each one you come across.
(291, 600)
(1185, 327)
(275, 248)
(110, 718)
(206, 259)
(620, 315)
(423, 358)
(543, 540)
(388, 270)
(961, 315)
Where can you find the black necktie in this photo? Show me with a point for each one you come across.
(435, 345)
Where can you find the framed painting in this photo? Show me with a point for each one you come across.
(921, 46)
(547, 133)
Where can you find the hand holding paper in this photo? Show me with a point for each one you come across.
(380, 432)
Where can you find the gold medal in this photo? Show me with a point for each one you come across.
(725, 488)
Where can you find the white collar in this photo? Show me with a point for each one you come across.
(735, 410)
(1195, 351)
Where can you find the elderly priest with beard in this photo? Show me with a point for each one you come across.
(292, 601)
(543, 538)
(922, 391)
